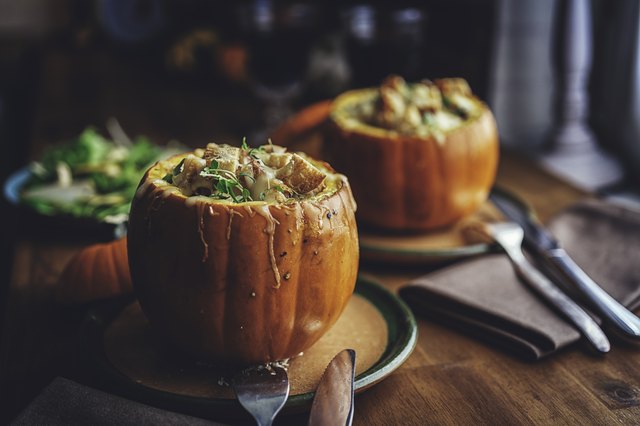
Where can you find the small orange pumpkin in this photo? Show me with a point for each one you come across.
(96, 272)
(411, 182)
(302, 123)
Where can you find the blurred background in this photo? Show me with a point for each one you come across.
(283, 53)
(197, 70)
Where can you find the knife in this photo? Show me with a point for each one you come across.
(544, 245)
(333, 401)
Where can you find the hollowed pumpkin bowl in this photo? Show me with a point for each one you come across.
(242, 283)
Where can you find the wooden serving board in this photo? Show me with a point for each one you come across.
(133, 350)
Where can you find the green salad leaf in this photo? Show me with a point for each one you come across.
(91, 176)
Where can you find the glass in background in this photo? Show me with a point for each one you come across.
(382, 40)
(278, 36)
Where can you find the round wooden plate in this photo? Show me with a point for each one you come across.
(131, 362)
(440, 245)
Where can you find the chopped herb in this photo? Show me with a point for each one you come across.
(246, 194)
(251, 151)
(253, 154)
(247, 175)
(227, 186)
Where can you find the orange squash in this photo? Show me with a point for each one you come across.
(95, 272)
(302, 123)
(250, 282)
(411, 182)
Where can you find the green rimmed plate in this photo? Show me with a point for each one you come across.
(124, 360)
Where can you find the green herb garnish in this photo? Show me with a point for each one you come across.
(247, 175)
(226, 184)
(251, 151)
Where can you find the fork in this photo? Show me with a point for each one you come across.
(509, 236)
(262, 391)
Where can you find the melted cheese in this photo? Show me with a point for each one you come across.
(424, 109)
(263, 184)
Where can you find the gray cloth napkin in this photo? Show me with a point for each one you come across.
(65, 402)
(484, 298)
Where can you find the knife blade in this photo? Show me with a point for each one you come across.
(542, 244)
(333, 401)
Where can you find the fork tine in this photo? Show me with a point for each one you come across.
(262, 391)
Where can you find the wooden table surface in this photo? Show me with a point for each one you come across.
(450, 378)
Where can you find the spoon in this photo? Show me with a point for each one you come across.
(262, 391)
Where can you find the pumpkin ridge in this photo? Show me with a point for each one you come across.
(297, 262)
(465, 169)
(229, 275)
(200, 211)
(222, 269)
(268, 330)
(124, 276)
(105, 259)
(446, 183)
(116, 252)
(270, 291)
(407, 161)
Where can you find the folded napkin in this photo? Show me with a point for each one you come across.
(484, 297)
(65, 402)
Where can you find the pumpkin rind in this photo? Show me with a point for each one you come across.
(206, 273)
(95, 272)
(406, 182)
